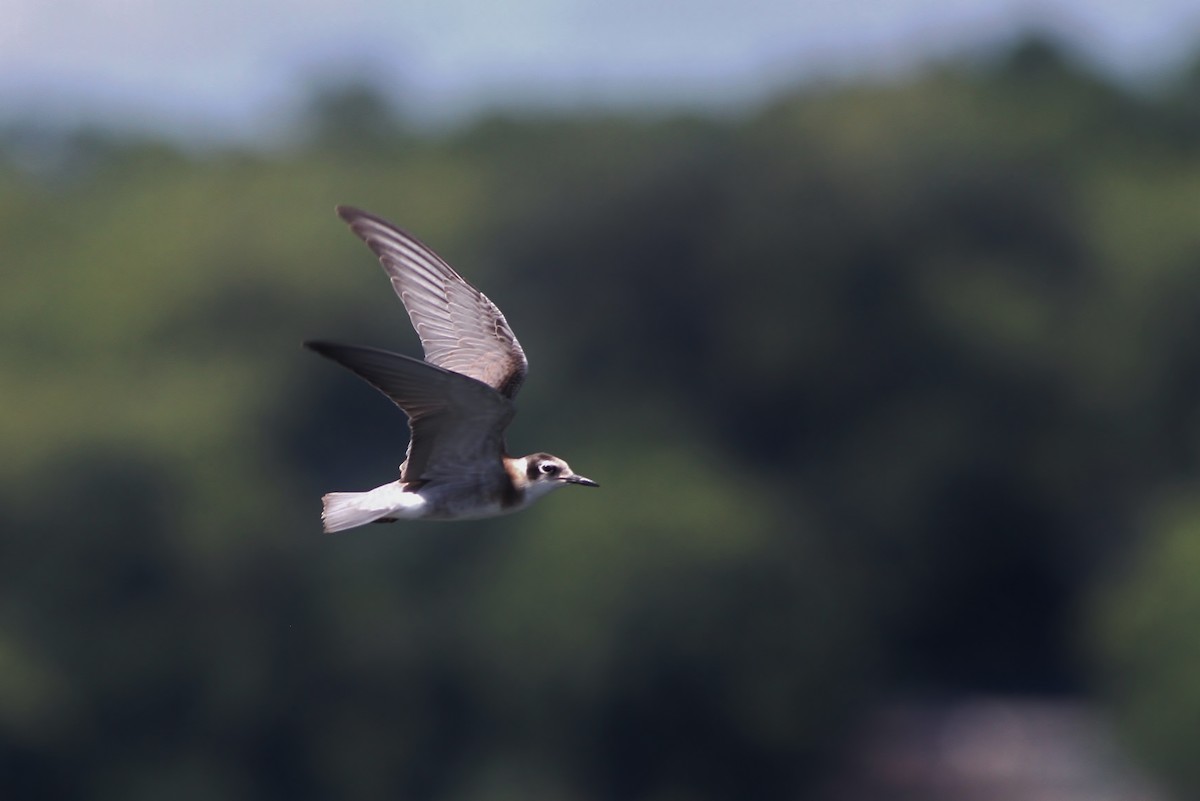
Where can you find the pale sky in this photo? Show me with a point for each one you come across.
(236, 66)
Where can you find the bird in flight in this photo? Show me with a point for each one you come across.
(458, 400)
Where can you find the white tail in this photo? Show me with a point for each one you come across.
(345, 510)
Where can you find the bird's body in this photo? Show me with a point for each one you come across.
(458, 401)
(461, 500)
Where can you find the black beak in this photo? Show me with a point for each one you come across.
(581, 481)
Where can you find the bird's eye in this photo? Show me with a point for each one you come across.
(548, 468)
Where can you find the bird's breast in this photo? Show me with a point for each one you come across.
(464, 501)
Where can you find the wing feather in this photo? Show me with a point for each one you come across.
(457, 423)
(461, 330)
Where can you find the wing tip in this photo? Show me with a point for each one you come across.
(374, 230)
(318, 345)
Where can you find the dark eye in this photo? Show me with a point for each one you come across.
(548, 468)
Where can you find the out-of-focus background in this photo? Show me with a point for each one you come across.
(878, 322)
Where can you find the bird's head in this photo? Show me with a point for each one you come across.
(544, 473)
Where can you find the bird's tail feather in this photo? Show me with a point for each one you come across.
(343, 510)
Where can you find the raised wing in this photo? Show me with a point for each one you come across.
(460, 329)
(457, 423)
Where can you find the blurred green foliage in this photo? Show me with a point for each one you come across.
(883, 384)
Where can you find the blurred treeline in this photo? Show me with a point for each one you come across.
(891, 389)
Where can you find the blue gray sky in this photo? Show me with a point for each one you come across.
(236, 67)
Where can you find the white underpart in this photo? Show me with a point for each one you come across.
(345, 510)
(538, 489)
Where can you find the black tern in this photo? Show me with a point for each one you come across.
(459, 400)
